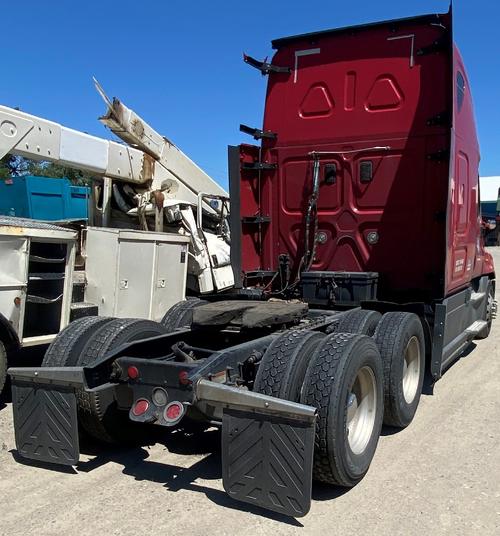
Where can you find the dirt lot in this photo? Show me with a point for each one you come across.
(439, 476)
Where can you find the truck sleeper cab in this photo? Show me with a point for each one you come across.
(356, 247)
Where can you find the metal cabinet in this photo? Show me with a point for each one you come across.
(132, 273)
(36, 272)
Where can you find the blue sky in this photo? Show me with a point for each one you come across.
(178, 63)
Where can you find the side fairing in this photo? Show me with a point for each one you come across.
(465, 255)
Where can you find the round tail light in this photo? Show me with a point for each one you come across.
(184, 377)
(140, 407)
(173, 412)
(133, 372)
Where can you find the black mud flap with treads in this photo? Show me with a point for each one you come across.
(45, 422)
(267, 461)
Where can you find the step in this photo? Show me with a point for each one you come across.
(477, 296)
(476, 327)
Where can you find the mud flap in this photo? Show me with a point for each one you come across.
(267, 460)
(45, 422)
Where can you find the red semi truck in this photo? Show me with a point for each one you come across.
(357, 252)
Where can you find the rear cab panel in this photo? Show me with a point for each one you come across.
(381, 99)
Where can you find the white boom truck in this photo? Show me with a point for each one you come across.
(157, 226)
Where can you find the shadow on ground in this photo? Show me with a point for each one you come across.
(136, 464)
(26, 357)
(5, 397)
(174, 478)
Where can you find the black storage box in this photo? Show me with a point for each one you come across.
(339, 288)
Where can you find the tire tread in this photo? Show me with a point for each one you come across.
(275, 375)
(61, 350)
(359, 321)
(389, 330)
(317, 394)
(90, 412)
(181, 314)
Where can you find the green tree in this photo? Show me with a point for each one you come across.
(14, 166)
(50, 169)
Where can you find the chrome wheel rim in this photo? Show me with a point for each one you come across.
(361, 410)
(411, 370)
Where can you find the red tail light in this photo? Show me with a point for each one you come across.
(133, 372)
(173, 412)
(184, 377)
(140, 407)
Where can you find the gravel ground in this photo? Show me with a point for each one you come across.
(441, 476)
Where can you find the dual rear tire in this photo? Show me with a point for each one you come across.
(400, 340)
(367, 372)
(82, 343)
(344, 382)
(341, 375)
(399, 337)
(359, 321)
(180, 315)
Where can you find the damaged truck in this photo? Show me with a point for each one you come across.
(150, 207)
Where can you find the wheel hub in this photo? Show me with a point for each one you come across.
(361, 410)
(411, 370)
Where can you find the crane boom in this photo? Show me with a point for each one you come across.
(133, 130)
(40, 139)
(147, 159)
(158, 180)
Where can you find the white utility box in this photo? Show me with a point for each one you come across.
(36, 272)
(138, 274)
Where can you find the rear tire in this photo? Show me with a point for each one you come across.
(332, 326)
(400, 340)
(180, 315)
(111, 424)
(359, 321)
(3, 366)
(283, 366)
(344, 381)
(65, 349)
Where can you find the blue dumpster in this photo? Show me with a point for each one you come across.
(43, 198)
